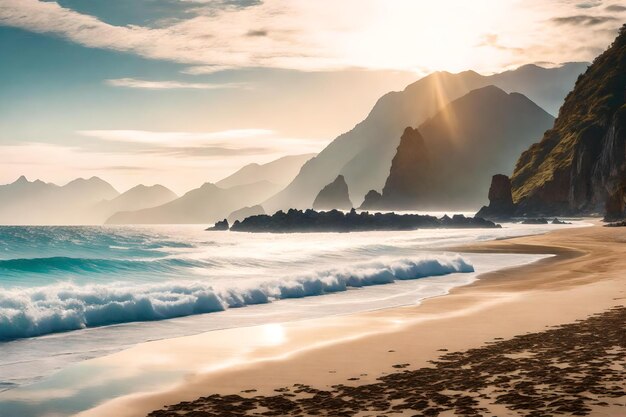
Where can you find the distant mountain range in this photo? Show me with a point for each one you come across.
(94, 201)
(363, 155)
(81, 201)
(468, 141)
(38, 202)
(280, 172)
(137, 198)
(228, 198)
(206, 204)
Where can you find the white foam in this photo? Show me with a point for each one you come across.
(27, 312)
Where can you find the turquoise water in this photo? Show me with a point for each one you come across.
(58, 279)
(68, 294)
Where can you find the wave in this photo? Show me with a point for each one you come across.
(64, 307)
(96, 265)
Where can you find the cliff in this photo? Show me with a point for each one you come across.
(579, 166)
(409, 176)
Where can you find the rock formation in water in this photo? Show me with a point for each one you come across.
(297, 221)
(579, 166)
(219, 226)
(501, 204)
(334, 196)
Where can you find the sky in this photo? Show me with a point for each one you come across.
(181, 92)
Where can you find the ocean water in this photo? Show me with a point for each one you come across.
(72, 293)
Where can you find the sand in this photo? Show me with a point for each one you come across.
(381, 362)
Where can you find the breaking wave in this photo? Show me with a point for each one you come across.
(28, 312)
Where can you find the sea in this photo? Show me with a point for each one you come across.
(69, 294)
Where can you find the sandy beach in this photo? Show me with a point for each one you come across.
(490, 348)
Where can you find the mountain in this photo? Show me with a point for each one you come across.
(333, 196)
(137, 198)
(206, 204)
(37, 202)
(545, 86)
(363, 155)
(245, 212)
(410, 175)
(579, 166)
(449, 160)
(280, 172)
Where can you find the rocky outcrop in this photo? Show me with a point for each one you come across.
(242, 213)
(500, 199)
(579, 166)
(219, 226)
(371, 201)
(409, 176)
(334, 196)
(297, 221)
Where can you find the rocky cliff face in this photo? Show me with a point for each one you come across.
(501, 204)
(409, 176)
(579, 166)
(334, 196)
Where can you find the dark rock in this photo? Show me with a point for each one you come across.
(371, 201)
(223, 225)
(615, 207)
(557, 221)
(409, 176)
(541, 220)
(501, 204)
(616, 224)
(334, 196)
(297, 221)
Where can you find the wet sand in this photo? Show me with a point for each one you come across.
(489, 348)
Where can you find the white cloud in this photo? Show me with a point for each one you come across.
(167, 85)
(175, 139)
(331, 35)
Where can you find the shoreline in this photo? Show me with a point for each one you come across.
(501, 304)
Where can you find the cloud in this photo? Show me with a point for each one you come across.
(213, 36)
(492, 40)
(616, 8)
(304, 35)
(588, 5)
(209, 151)
(178, 139)
(584, 20)
(168, 85)
(227, 143)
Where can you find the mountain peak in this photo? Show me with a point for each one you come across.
(21, 180)
(333, 196)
